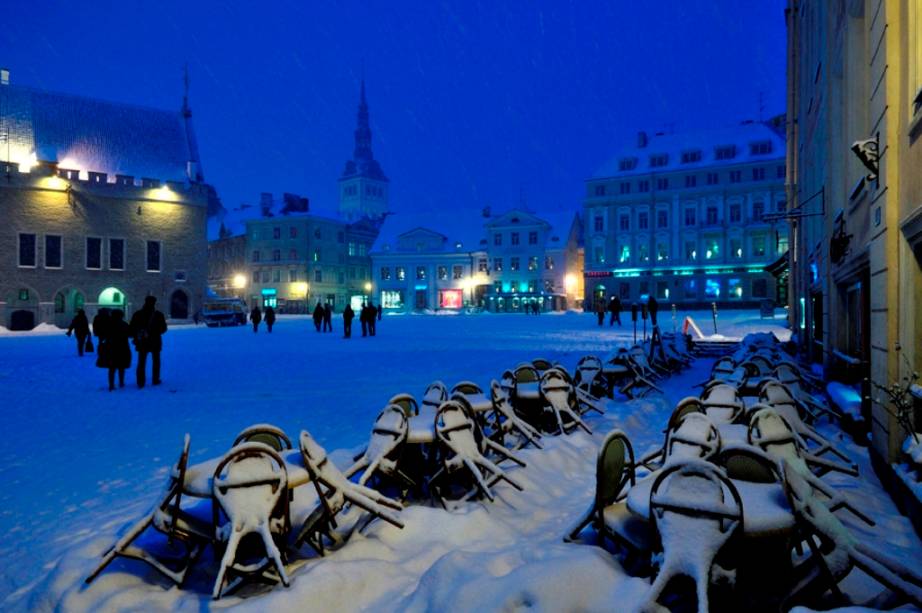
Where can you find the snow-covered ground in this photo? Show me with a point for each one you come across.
(77, 463)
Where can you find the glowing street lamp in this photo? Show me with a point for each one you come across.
(239, 281)
(569, 282)
(367, 288)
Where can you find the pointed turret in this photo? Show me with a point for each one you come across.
(363, 185)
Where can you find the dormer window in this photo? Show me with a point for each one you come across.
(761, 147)
(659, 160)
(627, 164)
(726, 152)
(690, 157)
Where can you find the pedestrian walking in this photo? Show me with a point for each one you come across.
(380, 310)
(256, 316)
(614, 309)
(600, 311)
(318, 315)
(348, 315)
(117, 356)
(372, 318)
(80, 327)
(147, 328)
(653, 308)
(363, 319)
(270, 318)
(328, 317)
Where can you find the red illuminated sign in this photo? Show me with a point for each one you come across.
(450, 299)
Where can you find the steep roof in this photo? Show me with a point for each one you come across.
(95, 135)
(464, 228)
(234, 219)
(707, 142)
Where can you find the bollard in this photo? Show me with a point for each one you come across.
(714, 313)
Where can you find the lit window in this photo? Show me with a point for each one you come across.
(420, 273)
(457, 272)
(442, 272)
(712, 288)
(498, 264)
(625, 254)
(533, 263)
(401, 273)
(548, 263)
(385, 273)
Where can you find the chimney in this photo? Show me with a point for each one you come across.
(265, 204)
(4, 76)
(642, 139)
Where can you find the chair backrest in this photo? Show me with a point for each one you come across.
(561, 371)
(267, 434)
(696, 431)
(453, 424)
(526, 373)
(746, 463)
(249, 483)
(772, 433)
(554, 381)
(763, 364)
(321, 472)
(541, 364)
(614, 468)
(466, 387)
(697, 489)
(436, 393)
(406, 402)
(589, 362)
(723, 365)
(690, 404)
(393, 421)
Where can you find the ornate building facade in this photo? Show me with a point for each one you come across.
(690, 218)
(103, 204)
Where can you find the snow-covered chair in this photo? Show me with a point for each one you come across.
(436, 393)
(747, 463)
(777, 396)
(465, 448)
(180, 525)
(688, 405)
(773, 434)
(589, 376)
(250, 488)
(608, 513)
(695, 437)
(541, 364)
(406, 402)
(834, 550)
(334, 492)
(388, 436)
(506, 421)
(267, 434)
(646, 370)
(696, 510)
(722, 403)
(559, 397)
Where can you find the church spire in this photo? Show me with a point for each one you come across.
(363, 130)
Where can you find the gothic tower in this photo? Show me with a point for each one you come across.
(363, 188)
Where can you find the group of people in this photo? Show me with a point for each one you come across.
(369, 316)
(256, 316)
(323, 316)
(114, 335)
(614, 309)
(531, 308)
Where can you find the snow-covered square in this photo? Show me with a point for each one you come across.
(82, 464)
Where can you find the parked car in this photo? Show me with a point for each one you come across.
(224, 312)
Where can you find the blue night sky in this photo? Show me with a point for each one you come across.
(472, 102)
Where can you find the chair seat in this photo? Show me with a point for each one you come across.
(627, 526)
(187, 521)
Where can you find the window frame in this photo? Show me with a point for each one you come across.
(124, 253)
(147, 267)
(19, 263)
(60, 265)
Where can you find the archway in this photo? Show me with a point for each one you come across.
(22, 311)
(67, 301)
(179, 305)
(112, 297)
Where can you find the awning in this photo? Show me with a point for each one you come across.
(780, 266)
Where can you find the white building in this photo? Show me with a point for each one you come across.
(691, 218)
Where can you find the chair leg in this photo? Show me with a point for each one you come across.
(578, 527)
(121, 544)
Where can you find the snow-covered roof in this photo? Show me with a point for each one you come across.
(706, 142)
(86, 134)
(466, 228)
(234, 219)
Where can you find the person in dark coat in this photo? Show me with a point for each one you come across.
(118, 351)
(80, 327)
(328, 317)
(372, 318)
(256, 316)
(100, 322)
(363, 319)
(348, 316)
(147, 328)
(653, 308)
(614, 308)
(318, 315)
(600, 311)
(380, 310)
(270, 318)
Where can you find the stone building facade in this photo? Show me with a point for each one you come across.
(855, 199)
(103, 211)
(690, 218)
